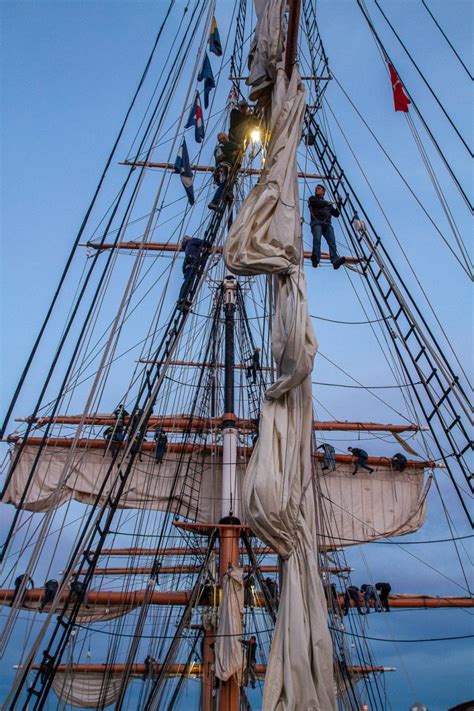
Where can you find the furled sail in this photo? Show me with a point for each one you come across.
(278, 497)
(228, 649)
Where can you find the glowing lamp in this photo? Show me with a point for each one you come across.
(255, 135)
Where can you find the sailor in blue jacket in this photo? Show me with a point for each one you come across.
(321, 211)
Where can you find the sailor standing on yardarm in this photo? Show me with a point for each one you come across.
(321, 211)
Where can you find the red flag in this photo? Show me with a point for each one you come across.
(400, 99)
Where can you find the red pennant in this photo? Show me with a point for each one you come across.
(400, 99)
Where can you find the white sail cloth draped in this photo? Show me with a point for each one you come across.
(228, 649)
(278, 498)
(361, 508)
(87, 691)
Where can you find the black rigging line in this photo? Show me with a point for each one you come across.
(447, 39)
(418, 112)
(425, 80)
(81, 230)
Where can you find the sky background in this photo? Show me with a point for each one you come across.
(69, 70)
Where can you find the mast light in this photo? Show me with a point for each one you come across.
(255, 135)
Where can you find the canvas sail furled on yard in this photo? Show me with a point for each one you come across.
(229, 656)
(278, 496)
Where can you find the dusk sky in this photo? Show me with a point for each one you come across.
(69, 70)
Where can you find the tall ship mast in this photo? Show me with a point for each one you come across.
(186, 524)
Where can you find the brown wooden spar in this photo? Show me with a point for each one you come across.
(173, 247)
(187, 448)
(190, 423)
(110, 599)
(139, 670)
(191, 569)
(210, 169)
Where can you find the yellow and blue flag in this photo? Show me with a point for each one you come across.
(208, 77)
(214, 40)
(183, 167)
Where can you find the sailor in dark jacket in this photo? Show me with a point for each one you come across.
(321, 211)
(191, 246)
(362, 459)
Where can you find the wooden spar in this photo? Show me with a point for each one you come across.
(135, 598)
(184, 569)
(174, 247)
(210, 169)
(187, 448)
(229, 542)
(139, 670)
(174, 551)
(191, 423)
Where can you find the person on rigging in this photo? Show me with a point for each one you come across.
(384, 591)
(18, 581)
(250, 661)
(120, 415)
(329, 456)
(50, 590)
(225, 154)
(362, 459)
(399, 462)
(254, 366)
(321, 211)
(161, 442)
(114, 436)
(149, 664)
(370, 592)
(352, 593)
(242, 122)
(273, 590)
(191, 246)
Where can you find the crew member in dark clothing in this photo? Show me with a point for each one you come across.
(138, 435)
(17, 584)
(321, 211)
(50, 590)
(120, 415)
(362, 458)
(191, 246)
(254, 366)
(149, 662)
(114, 435)
(329, 456)
(79, 591)
(352, 593)
(161, 441)
(251, 661)
(384, 591)
(242, 122)
(399, 462)
(225, 154)
(249, 589)
(273, 590)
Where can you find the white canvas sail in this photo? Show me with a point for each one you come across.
(228, 649)
(278, 498)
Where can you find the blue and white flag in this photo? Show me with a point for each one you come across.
(208, 77)
(196, 119)
(214, 40)
(183, 167)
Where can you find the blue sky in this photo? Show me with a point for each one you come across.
(69, 71)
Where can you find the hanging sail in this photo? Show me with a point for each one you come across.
(228, 649)
(278, 497)
(89, 691)
(187, 482)
(362, 508)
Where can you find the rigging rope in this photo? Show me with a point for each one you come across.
(447, 39)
